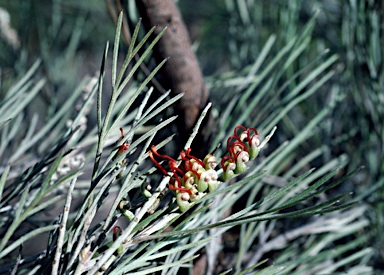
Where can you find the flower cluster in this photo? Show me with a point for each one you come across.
(241, 147)
(191, 179)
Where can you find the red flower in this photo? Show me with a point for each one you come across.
(175, 183)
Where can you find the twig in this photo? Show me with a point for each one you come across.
(18, 261)
(62, 228)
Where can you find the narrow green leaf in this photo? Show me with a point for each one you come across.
(177, 249)
(116, 48)
(130, 257)
(130, 54)
(162, 267)
(141, 59)
(42, 206)
(226, 272)
(100, 88)
(14, 90)
(152, 131)
(149, 219)
(232, 186)
(134, 37)
(251, 268)
(271, 270)
(3, 179)
(133, 98)
(255, 218)
(50, 173)
(283, 190)
(311, 77)
(298, 197)
(52, 122)
(309, 193)
(144, 40)
(26, 99)
(149, 114)
(24, 238)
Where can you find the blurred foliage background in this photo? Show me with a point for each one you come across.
(228, 36)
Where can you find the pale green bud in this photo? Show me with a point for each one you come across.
(182, 200)
(242, 157)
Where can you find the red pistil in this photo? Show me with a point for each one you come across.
(193, 157)
(230, 139)
(186, 157)
(175, 183)
(177, 188)
(195, 173)
(249, 136)
(125, 146)
(153, 149)
(239, 127)
(222, 162)
(171, 162)
(175, 169)
(181, 189)
(156, 163)
(232, 148)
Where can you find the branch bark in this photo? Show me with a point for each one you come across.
(182, 72)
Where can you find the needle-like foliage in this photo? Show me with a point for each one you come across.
(91, 192)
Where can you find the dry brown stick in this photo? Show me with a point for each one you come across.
(182, 72)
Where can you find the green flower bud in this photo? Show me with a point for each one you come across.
(228, 167)
(182, 200)
(197, 196)
(213, 185)
(202, 184)
(210, 162)
(242, 157)
(145, 188)
(227, 175)
(253, 152)
(128, 214)
(189, 179)
(252, 147)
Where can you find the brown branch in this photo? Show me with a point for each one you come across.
(182, 72)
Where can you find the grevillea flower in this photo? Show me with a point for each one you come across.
(242, 147)
(250, 137)
(193, 178)
(229, 166)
